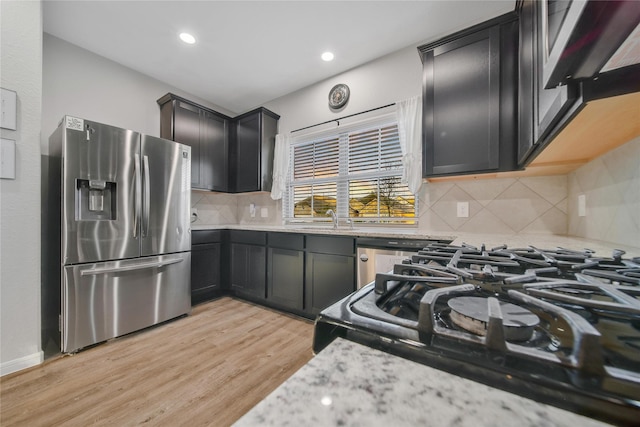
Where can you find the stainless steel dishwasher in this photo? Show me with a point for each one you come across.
(378, 255)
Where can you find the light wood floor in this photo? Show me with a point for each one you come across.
(205, 369)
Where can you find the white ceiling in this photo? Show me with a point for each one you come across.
(251, 52)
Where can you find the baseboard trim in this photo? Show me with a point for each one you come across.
(25, 362)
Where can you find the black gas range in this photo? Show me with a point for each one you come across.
(558, 326)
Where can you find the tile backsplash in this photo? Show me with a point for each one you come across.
(500, 205)
(510, 206)
(225, 209)
(611, 186)
(504, 206)
(214, 208)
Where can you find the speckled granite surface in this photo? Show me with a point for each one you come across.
(543, 241)
(348, 384)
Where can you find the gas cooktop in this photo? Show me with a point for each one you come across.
(556, 325)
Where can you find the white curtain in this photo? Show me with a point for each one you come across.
(280, 166)
(409, 115)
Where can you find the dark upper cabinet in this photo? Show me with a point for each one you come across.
(228, 155)
(253, 141)
(206, 131)
(470, 100)
(214, 163)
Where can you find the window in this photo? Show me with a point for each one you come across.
(354, 171)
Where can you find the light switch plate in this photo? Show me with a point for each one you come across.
(7, 159)
(8, 109)
(252, 210)
(264, 212)
(582, 205)
(463, 210)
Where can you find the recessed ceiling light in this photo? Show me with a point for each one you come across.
(327, 56)
(187, 38)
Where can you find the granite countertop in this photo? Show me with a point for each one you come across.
(543, 241)
(394, 233)
(350, 384)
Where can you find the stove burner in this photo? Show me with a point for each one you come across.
(563, 326)
(472, 314)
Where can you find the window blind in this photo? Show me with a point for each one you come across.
(355, 172)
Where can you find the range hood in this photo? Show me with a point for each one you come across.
(594, 38)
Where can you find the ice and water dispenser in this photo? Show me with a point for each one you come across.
(95, 200)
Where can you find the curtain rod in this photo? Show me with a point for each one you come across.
(344, 117)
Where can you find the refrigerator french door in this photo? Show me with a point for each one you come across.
(125, 236)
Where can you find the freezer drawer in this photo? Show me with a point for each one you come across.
(105, 300)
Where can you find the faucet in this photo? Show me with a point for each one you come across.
(334, 218)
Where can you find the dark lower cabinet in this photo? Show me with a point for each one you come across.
(206, 253)
(328, 279)
(330, 271)
(285, 278)
(301, 274)
(248, 262)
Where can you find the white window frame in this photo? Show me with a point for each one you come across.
(343, 178)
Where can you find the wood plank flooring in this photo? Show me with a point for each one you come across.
(206, 369)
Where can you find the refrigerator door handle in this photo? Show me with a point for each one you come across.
(138, 202)
(146, 196)
(157, 264)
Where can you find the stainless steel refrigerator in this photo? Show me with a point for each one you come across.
(118, 223)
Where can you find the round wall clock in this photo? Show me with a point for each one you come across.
(338, 96)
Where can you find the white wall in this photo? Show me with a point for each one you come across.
(80, 83)
(21, 71)
(380, 82)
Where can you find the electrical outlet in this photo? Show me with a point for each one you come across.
(463, 210)
(264, 212)
(194, 211)
(582, 205)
